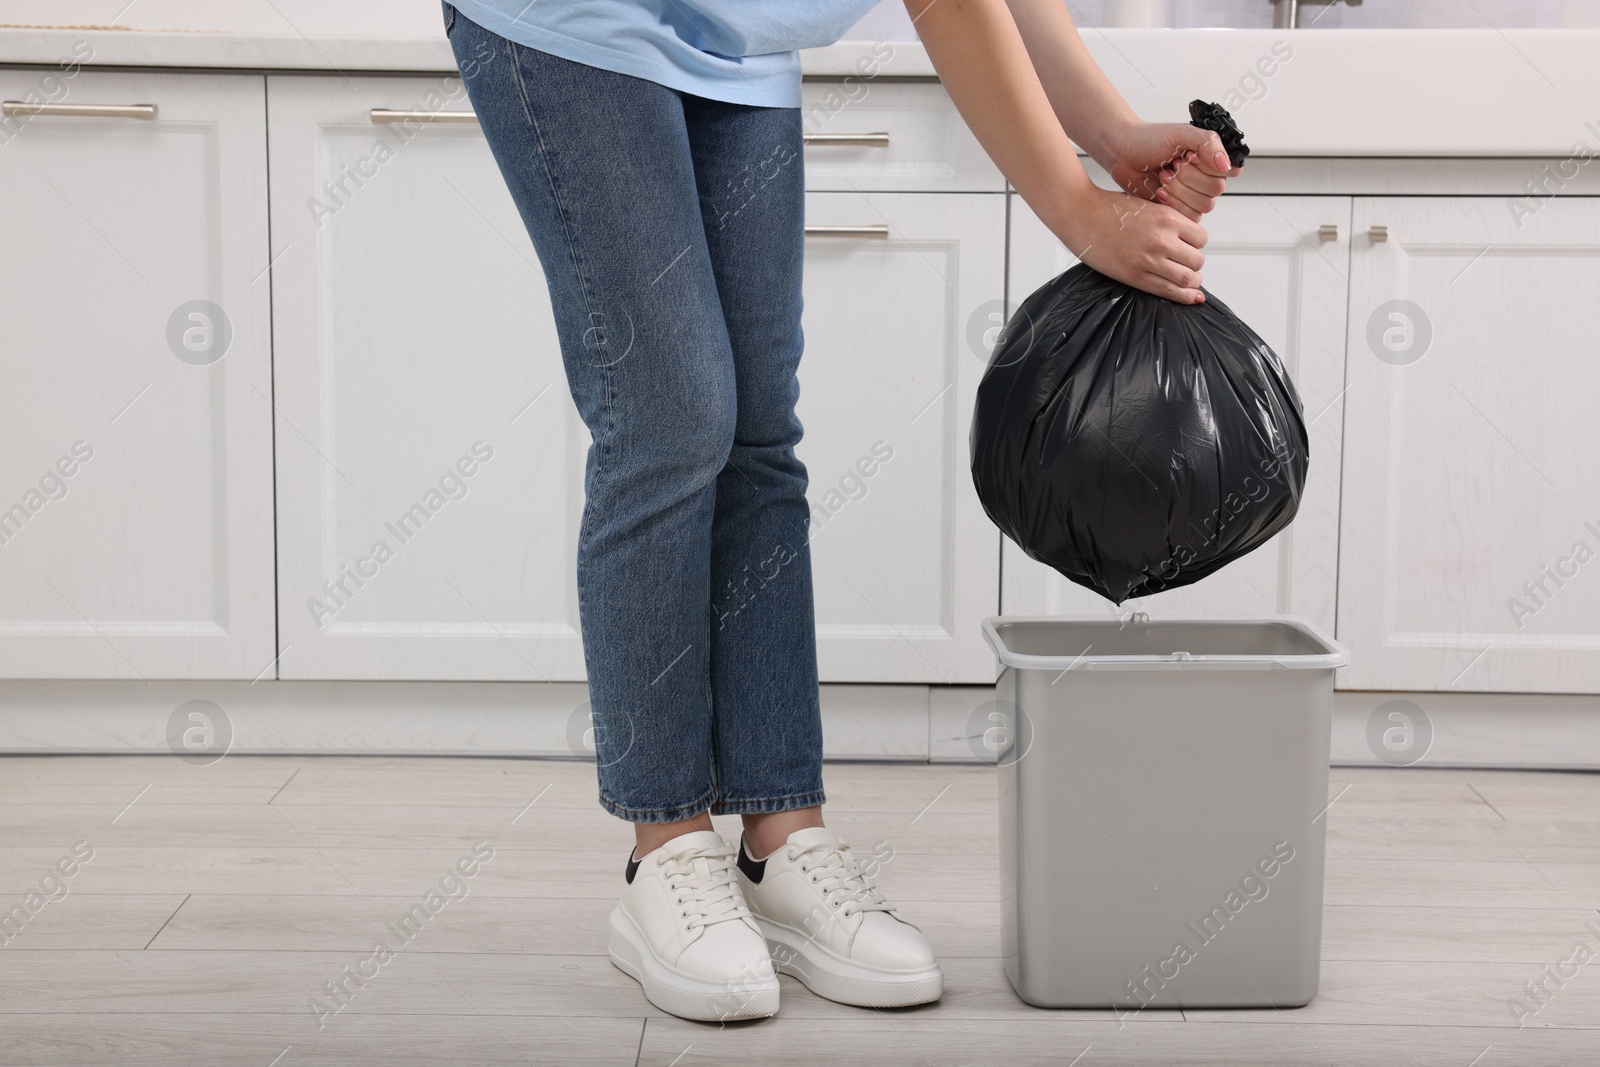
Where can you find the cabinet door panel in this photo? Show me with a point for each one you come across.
(1471, 504)
(906, 564)
(1266, 260)
(415, 344)
(136, 456)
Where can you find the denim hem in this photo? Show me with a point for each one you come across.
(765, 806)
(653, 815)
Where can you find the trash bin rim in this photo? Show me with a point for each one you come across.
(1336, 655)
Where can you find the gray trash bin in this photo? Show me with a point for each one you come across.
(1162, 795)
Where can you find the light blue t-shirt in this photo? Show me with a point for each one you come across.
(741, 51)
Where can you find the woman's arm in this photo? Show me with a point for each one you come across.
(1085, 102)
(979, 52)
(1100, 121)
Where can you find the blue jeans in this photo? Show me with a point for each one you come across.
(671, 231)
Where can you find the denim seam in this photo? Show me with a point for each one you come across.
(693, 808)
(725, 806)
(608, 425)
(763, 800)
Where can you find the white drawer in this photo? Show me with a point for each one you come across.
(890, 136)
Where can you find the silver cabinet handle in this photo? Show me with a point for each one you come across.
(1378, 233)
(875, 233)
(847, 140)
(384, 114)
(1328, 232)
(87, 111)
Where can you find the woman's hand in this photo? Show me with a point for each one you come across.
(1147, 245)
(1169, 163)
(994, 78)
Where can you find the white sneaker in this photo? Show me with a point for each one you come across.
(683, 931)
(829, 926)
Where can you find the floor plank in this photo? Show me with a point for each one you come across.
(1433, 994)
(477, 924)
(269, 981)
(1402, 882)
(182, 1040)
(905, 1039)
(1455, 935)
(86, 920)
(267, 772)
(355, 923)
(516, 871)
(280, 982)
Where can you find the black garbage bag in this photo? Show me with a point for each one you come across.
(1132, 443)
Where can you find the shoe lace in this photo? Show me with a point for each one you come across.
(705, 900)
(843, 883)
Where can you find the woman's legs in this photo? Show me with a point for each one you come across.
(766, 725)
(599, 166)
(676, 297)
(822, 917)
(670, 230)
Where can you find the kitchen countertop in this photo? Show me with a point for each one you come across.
(1423, 93)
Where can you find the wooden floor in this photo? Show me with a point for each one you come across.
(220, 900)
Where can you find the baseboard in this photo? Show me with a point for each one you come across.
(951, 724)
(1536, 731)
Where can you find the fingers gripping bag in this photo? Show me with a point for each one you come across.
(1132, 443)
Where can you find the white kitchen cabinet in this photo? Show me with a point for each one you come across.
(1268, 260)
(414, 344)
(906, 564)
(413, 325)
(1471, 515)
(887, 136)
(136, 454)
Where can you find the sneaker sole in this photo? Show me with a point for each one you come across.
(679, 994)
(844, 982)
